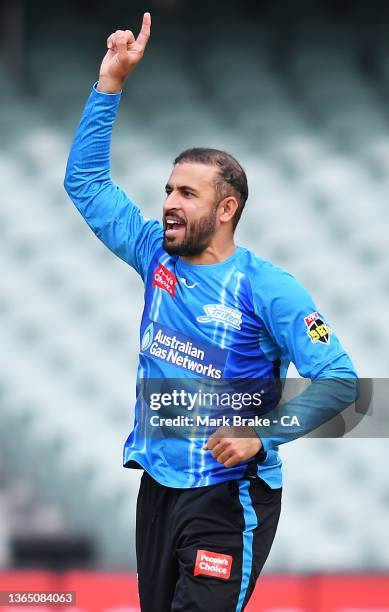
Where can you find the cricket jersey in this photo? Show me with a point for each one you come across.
(240, 319)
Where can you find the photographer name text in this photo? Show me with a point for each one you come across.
(235, 420)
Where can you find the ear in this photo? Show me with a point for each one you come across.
(227, 208)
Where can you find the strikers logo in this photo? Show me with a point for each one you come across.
(318, 331)
(165, 279)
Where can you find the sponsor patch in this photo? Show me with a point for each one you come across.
(164, 279)
(213, 564)
(221, 314)
(189, 354)
(317, 330)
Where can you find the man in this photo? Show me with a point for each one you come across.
(209, 501)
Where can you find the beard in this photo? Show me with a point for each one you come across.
(198, 235)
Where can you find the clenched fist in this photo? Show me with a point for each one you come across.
(233, 445)
(124, 53)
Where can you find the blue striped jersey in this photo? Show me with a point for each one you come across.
(236, 319)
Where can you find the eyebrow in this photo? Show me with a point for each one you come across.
(183, 188)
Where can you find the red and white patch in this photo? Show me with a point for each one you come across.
(311, 318)
(164, 279)
(213, 564)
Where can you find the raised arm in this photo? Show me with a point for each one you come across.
(107, 209)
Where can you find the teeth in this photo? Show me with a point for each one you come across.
(173, 222)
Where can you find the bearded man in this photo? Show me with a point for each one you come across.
(209, 501)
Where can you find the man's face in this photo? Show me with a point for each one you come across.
(189, 211)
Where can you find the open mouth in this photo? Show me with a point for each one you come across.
(174, 227)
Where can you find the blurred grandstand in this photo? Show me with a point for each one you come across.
(301, 97)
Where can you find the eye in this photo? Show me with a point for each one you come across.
(187, 193)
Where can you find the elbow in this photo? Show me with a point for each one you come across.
(351, 389)
(343, 376)
(68, 183)
(72, 176)
(73, 183)
(346, 385)
(350, 381)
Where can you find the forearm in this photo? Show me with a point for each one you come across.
(107, 209)
(88, 166)
(324, 399)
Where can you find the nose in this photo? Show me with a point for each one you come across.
(172, 202)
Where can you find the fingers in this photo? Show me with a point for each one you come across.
(220, 448)
(218, 436)
(231, 451)
(123, 41)
(224, 453)
(110, 41)
(232, 462)
(211, 443)
(120, 39)
(130, 37)
(144, 34)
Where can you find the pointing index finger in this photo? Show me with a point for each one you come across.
(144, 33)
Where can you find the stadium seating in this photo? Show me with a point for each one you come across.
(312, 132)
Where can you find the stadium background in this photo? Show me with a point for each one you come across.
(299, 92)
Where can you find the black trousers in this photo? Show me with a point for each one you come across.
(203, 549)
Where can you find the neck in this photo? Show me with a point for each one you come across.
(213, 254)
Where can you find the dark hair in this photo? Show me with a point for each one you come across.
(232, 179)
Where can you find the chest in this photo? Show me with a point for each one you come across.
(207, 306)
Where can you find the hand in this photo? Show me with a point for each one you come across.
(230, 449)
(123, 55)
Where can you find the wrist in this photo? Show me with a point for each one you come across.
(109, 85)
(262, 451)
